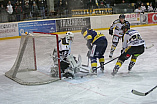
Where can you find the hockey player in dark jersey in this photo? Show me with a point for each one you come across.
(118, 32)
(97, 44)
(133, 45)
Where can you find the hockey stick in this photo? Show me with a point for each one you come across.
(141, 93)
(150, 46)
(108, 62)
(87, 63)
(88, 56)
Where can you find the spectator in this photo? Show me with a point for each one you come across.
(18, 11)
(91, 4)
(143, 7)
(102, 3)
(66, 10)
(41, 4)
(150, 8)
(123, 1)
(10, 11)
(138, 3)
(26, 10)
(2, 9)
(108, 3)
(34, 10)
(138, 10)
(60, 7)
(3, 14)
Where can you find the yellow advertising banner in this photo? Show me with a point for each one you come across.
(91, 12)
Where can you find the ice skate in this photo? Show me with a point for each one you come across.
(68, 75)
(115, 70)
(93, 71)
(111, 54)
(102, 67)
(131, 65)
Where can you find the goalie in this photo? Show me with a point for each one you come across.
(64, 52)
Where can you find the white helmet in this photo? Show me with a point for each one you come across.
(69, 35)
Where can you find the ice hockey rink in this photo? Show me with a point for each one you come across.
(104, 89)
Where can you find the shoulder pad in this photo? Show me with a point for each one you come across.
(116, 21)
(126, 21)
(89, 37)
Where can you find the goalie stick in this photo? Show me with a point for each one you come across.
(141, 93)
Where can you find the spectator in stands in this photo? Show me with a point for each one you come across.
(108, 3)
(66, 10)
(2, 9)
(150, 8)
(60, 8)
(101, 4)
(138, 3)
(35, 10)
(10, 11)
(26, 10)
(143, 7)
(41, 4)
(138, 10)
(91, 4)
(123, 1)
(3, 14)
(18, 11)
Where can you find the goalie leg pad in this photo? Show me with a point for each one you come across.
(73, 63)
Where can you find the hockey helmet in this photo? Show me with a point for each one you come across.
(125, 27)
(83, 30)
(122, 16)
(69, 35)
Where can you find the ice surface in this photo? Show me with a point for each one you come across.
(104, 89)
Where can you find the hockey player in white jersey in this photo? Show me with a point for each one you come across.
(64, 52)
(133, 45)
(118, 32)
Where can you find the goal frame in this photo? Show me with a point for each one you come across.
(12, 73)
(57, 39)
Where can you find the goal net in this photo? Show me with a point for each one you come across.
(34, 61)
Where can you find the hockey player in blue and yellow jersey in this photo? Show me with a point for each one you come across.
(97, 44)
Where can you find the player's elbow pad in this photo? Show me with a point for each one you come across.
(110, 32)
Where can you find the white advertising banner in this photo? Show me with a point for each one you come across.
(133, 18)
(8, 30)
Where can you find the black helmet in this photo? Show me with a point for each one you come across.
(83, 30)
(125, 27)
(122, 16)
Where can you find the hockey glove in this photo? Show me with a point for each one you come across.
(111, 32)
(88, 54)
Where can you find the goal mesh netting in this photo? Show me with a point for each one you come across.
(34, 61)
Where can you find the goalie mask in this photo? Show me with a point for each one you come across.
(69, 36)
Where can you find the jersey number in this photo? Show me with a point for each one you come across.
(135, 37)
